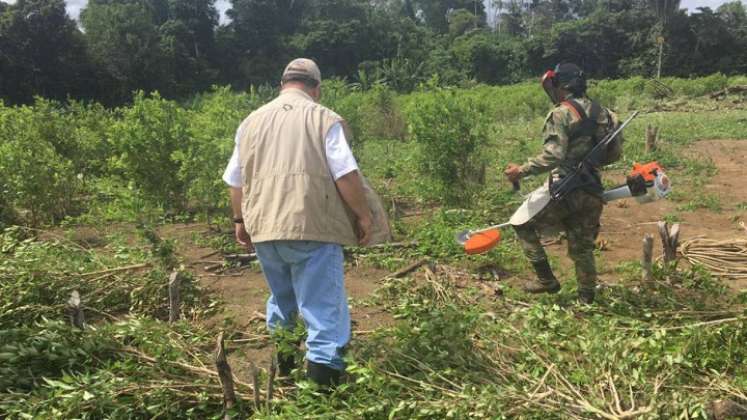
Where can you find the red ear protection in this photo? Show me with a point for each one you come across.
(549, 77)
(549, 84)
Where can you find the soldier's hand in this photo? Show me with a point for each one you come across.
(242, 236)
(364, 228)
(513, 172)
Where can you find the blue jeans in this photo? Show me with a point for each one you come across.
(307, 277)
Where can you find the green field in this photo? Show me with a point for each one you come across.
(90, 199)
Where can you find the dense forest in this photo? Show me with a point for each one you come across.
(178, 47)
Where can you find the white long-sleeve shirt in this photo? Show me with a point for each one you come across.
(339, 157)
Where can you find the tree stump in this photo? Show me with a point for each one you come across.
(224, 375)
(175, 298)
(75, 310)
(669, 240)
(647, 277)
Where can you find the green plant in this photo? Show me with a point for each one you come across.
(212, 124)
(702, 201)
(452, 133)
(37, 277)
(148, 138)
(36, 179)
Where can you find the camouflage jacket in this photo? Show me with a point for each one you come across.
(562, 150)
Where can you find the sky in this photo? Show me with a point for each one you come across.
(74, 6)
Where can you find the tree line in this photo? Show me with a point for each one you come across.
(179, 48)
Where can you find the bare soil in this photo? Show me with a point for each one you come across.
(243, 293)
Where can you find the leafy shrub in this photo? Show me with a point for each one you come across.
(36, 179)
(382, 116)
(451, 130)
(87, 126)
(77, 131)
(401, 74)
(212, 124)
(698, 86)
(339, 97)
(147, 139)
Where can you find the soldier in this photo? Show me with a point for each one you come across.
(571, 130)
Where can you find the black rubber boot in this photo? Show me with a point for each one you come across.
(587, 282)
(546, 281)
(323, 375)
(586, 296)
(286, 364)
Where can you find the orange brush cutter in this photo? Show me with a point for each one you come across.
(646, 183)
(482, 240)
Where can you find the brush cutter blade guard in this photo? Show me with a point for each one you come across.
(535, 202)
(481, 242)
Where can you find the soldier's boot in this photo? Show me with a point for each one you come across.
(586, 296)
(546, 281)
(587, 282)
(323, 375)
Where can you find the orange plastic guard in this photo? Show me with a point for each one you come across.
(482, 242)
(647, 170)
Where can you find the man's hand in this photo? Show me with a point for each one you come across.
(350, 187)
(242, 236)
(513, 172)
(364, 230)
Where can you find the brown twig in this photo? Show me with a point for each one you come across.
(405, 270)
(255, 381)
(112, 271)
(224, 375)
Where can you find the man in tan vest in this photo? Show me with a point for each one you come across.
(297, 195)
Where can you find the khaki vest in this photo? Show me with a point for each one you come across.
(289, 193)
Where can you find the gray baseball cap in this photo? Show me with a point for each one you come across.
(302, 68)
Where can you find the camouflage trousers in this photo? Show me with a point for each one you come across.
(578, 215)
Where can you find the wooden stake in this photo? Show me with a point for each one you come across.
(75, 310)
(175, 298)
(271, 380)
(648, 251)
(652, 135)
(255, 385)
(674, 238)
(224, 375)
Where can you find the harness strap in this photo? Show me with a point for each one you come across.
(588, 123)
(589, 182)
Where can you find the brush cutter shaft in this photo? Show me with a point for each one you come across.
(465, 235)
(502, 225)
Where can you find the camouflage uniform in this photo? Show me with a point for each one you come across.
(578, 214)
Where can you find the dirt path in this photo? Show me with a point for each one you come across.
(625, 222)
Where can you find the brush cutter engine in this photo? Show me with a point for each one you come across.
(646, 183)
